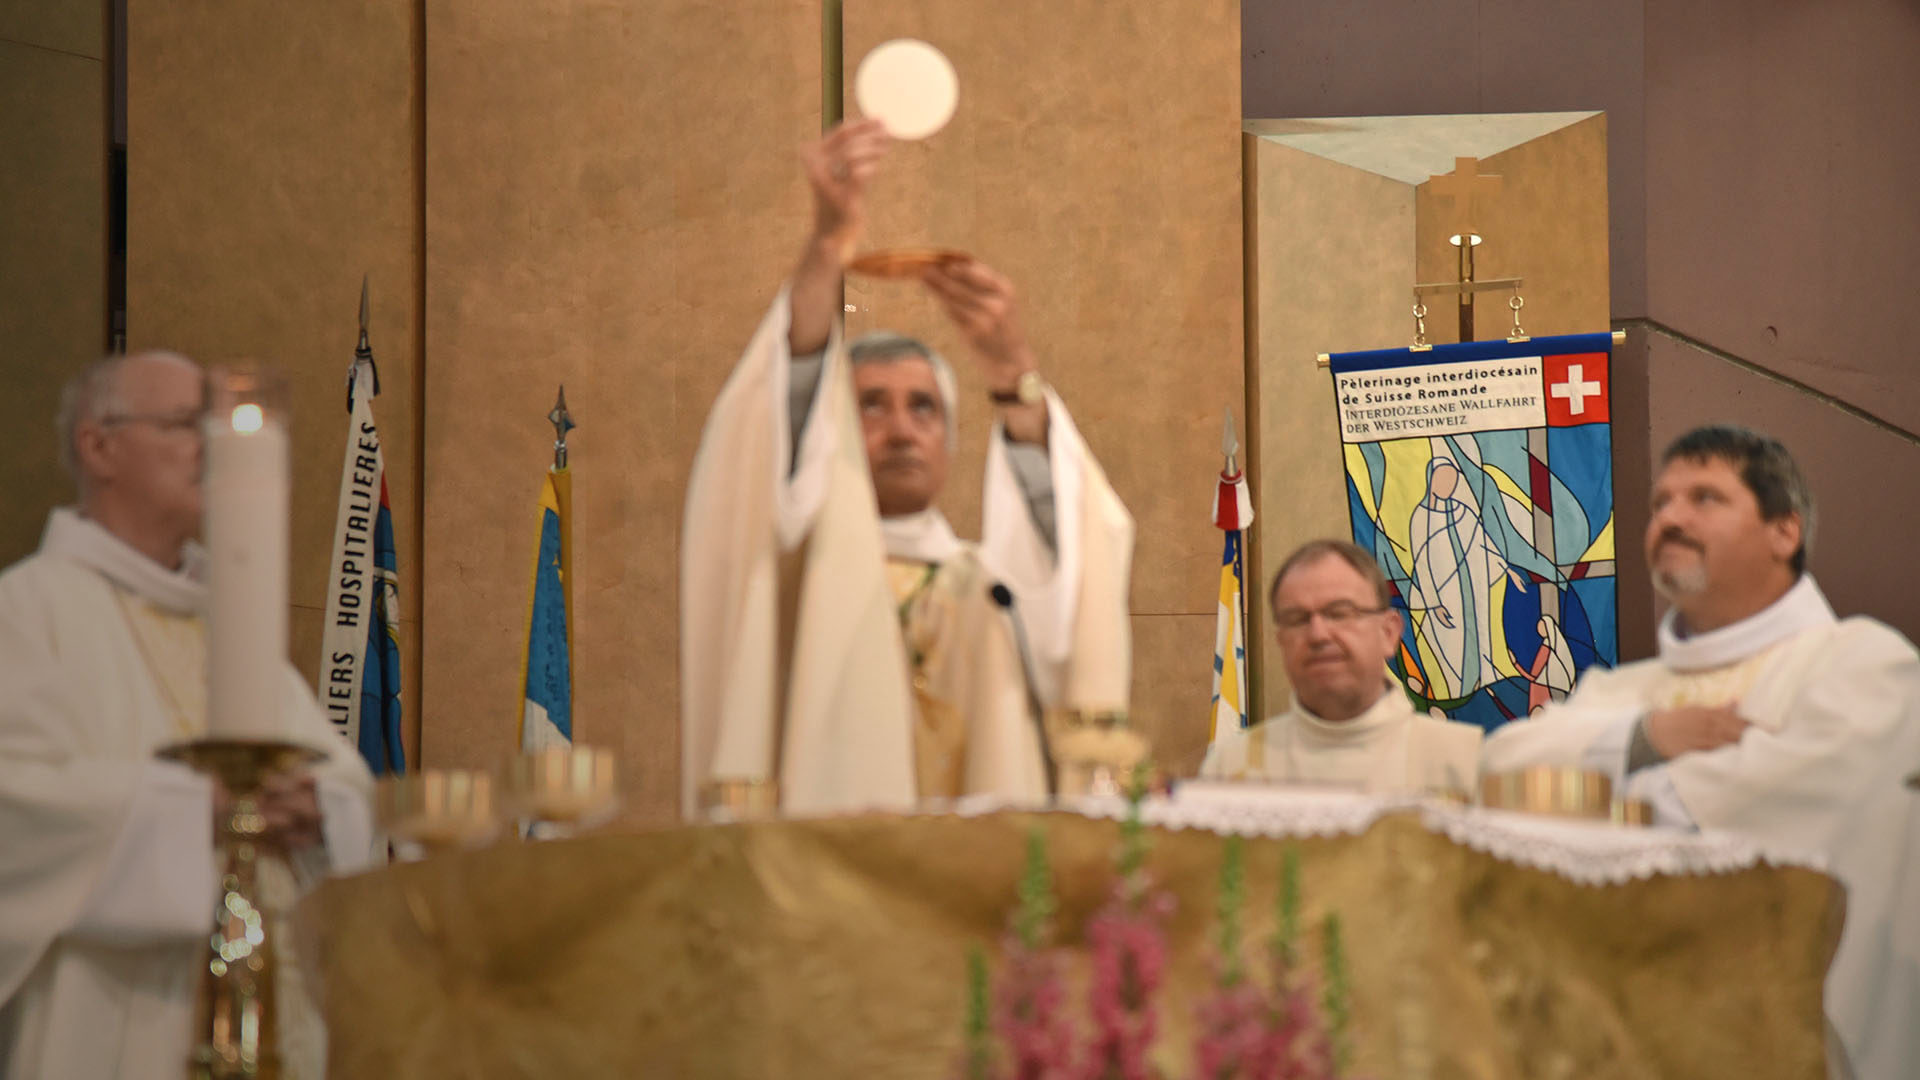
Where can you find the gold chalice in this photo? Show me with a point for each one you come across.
(563, 788)
(1094, 751)
(440, 810)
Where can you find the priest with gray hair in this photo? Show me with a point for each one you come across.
(841, 648)
(1764, 715)
(108, 878)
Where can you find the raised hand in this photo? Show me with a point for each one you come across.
(839, 167)
(981, 303)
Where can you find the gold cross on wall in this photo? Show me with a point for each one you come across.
(1461, 188)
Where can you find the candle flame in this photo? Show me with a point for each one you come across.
(248, 418)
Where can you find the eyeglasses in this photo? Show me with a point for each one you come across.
(1338, 615)
(173, 421)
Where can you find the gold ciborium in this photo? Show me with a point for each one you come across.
(562, 789)
(1562, 791)
(236, 1022)
(438, 810)
(1094, 751)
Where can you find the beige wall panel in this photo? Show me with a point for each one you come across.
(1546, 224)
(608, 206)
(272, 157)
(75, 27)
(1173, 686)
(1104, 179)
(1333, 255)
(53, 266)
(1780, 165)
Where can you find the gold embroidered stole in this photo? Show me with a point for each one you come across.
(927, 613)
(174, 647)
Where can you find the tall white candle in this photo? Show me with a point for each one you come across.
(246, 528)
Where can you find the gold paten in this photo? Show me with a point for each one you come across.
(570, 786)
(236, 1022)
(902, 262)
(439, 809)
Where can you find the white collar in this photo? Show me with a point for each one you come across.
(85, 541)
(922, 537)
(1800, 608)
(1392, 706)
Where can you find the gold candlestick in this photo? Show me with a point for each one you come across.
(236, 1032)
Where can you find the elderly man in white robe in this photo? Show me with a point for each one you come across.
(1766, 716)
(841, 648)
(108, 878)
(1349, 724)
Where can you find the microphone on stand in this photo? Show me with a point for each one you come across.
(1003, 596)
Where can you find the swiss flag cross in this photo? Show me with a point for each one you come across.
(1577, 390)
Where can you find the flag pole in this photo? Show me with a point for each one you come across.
(1232, 513)
(1230, 446)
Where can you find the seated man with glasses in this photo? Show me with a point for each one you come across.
(1349, 724)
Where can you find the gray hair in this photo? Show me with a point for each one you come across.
(91, 396)
(1765, 467)
(886, 346)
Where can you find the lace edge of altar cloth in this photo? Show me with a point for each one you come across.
(1585, 852)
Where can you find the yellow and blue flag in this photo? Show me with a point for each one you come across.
(546, 712)
(1232, 513)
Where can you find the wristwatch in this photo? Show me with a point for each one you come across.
(1029, 389)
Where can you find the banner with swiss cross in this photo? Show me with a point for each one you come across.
(1480, 476)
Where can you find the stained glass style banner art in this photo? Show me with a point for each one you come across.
(1480, 476)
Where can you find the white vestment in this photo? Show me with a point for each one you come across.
(107, 874)
(1387, 749)
(794, 664)
(1834, 709)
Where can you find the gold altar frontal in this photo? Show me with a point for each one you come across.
(837, 948)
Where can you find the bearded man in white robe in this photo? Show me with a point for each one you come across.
(841, 648)
(1350, 724)
(108, 878)
(1766, 716)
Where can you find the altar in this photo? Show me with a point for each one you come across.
(1480, 943)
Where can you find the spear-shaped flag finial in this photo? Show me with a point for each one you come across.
(363, 350)
(1229, 442)
(562, 422)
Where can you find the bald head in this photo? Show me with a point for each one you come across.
(130, 436)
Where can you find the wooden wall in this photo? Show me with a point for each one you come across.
(272, 161)
(53, 241)
(613, 199)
